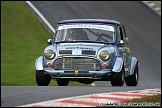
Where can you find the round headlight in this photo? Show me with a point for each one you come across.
(49, 54)
(104, 55)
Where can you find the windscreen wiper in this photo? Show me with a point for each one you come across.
(66, 41)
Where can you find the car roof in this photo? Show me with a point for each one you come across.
(105, 21)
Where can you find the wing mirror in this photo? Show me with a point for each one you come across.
(49, 41)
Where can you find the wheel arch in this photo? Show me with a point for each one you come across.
(118, 65)
(134, 62)
(39, 63)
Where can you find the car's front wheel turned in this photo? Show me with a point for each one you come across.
(132, 80)
(117, 79)
(42, 79)
(62, 82)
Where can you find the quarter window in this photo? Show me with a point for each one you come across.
(121, 33)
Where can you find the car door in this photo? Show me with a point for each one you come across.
(124, 47)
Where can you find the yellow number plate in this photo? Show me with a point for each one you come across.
(76, 73)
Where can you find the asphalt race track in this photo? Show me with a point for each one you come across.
(143, 28)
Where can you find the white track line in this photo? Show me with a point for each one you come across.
(41, 16)
(93, 84)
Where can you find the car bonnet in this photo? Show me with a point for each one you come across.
(79, 48)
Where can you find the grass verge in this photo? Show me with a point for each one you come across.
(157, 3)
(150, 101)
(23, 39)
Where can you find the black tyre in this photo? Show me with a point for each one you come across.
(132, 80)
(117, 79)
(42, 79)
(62, 82)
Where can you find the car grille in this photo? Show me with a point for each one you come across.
(78, 63)
(88, 52)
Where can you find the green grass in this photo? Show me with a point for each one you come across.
(149, 101)
(157, 3)
(154, 100)
(23, 39)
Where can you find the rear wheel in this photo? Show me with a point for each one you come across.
(132, 80)
(117, 79)
(42, 79)
(62, 82)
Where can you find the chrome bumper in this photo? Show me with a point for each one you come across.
(77, 73)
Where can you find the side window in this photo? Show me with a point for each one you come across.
(125, 38)
(119, 34)
(122, 35)
(123, 32)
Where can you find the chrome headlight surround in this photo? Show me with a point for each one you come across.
(49, 54)
(104, 55)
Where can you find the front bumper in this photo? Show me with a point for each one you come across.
(81, 74)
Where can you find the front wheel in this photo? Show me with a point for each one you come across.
(42, 79)
(117, 79)
(62, 82)
(132, 80)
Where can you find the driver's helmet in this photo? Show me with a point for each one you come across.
(76, 33)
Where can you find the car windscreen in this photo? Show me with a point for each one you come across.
(86, 32)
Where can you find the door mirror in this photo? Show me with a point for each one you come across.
(121, 43)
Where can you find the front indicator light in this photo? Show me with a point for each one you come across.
(104, 66)
(49, 64)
